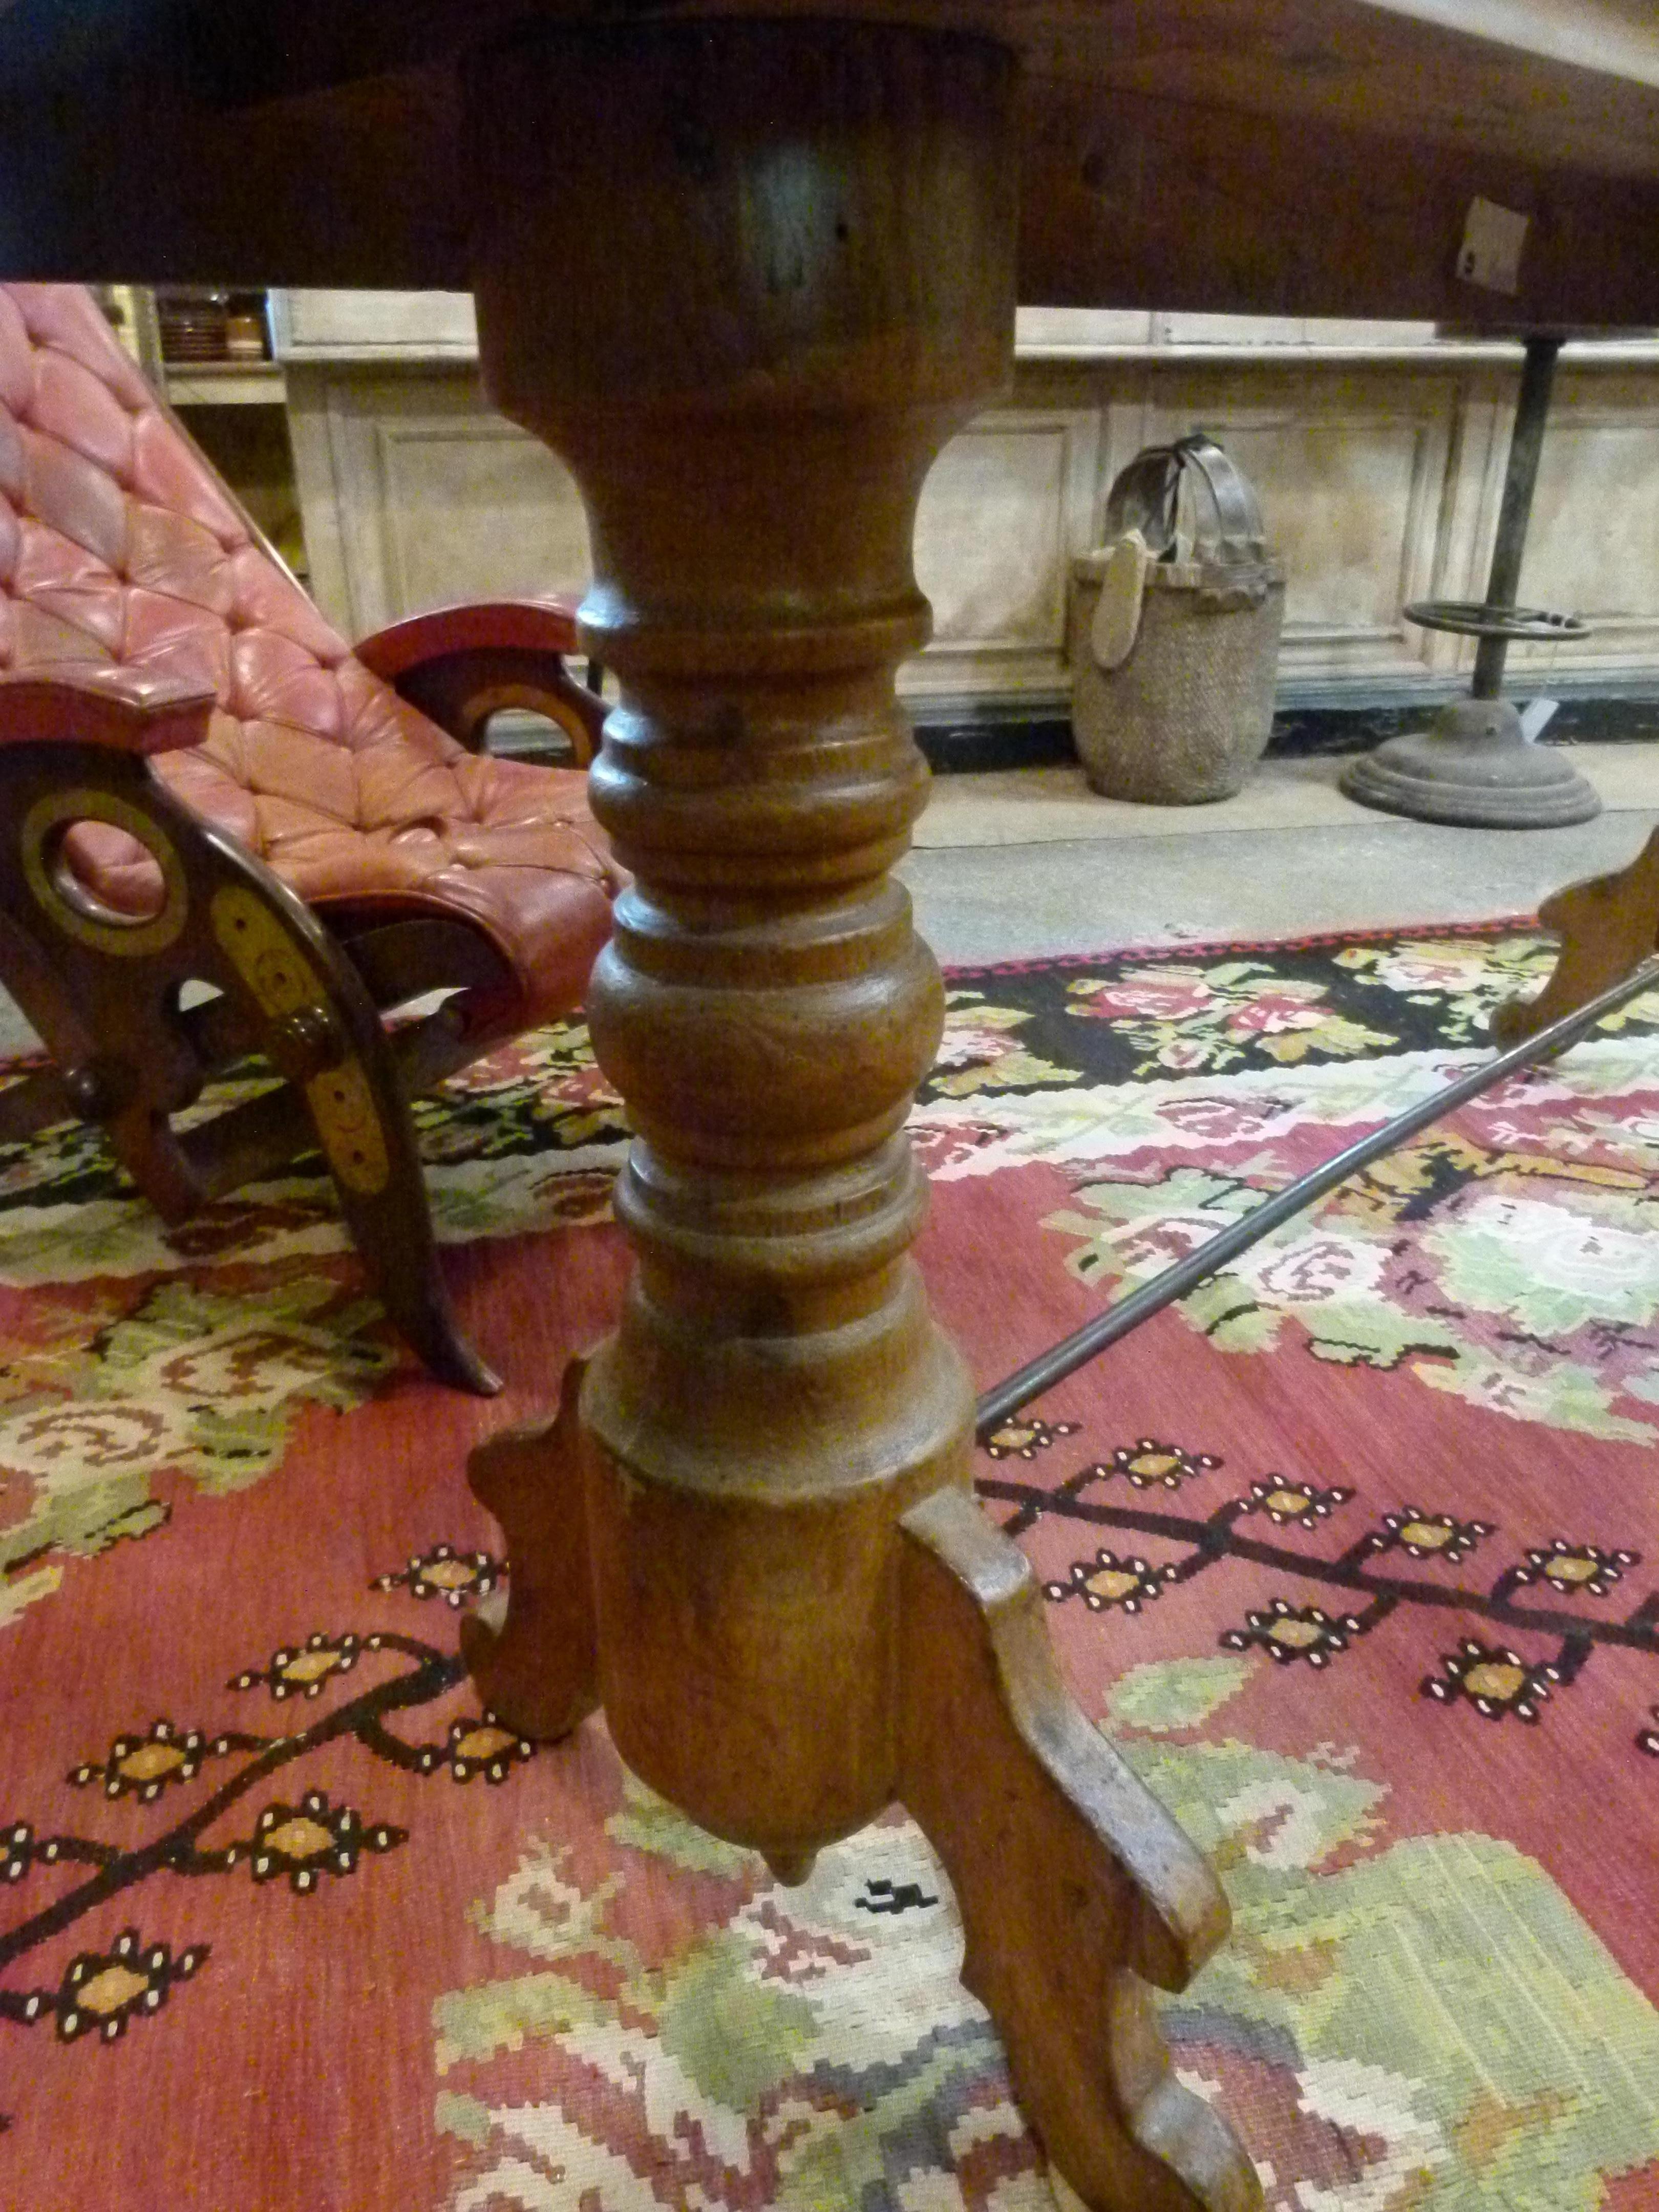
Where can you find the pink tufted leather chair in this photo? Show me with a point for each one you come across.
(200, 783)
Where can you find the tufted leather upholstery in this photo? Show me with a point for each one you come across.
(118, 545)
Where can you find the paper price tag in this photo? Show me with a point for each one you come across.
(1494, 238)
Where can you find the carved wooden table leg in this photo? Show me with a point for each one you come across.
(747, 277)
(1076, 1888)
(546, 1672)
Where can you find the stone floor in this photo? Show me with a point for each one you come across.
(1031, 862)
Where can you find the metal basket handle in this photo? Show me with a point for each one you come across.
(1146, 497)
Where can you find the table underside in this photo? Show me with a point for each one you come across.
(1270, 156)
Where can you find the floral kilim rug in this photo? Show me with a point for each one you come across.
(1355, 1556)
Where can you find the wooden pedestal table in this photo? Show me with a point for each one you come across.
(749, 1533)
(746, 276)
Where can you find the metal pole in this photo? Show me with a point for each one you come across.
(1053, 1366)
(1520, 480)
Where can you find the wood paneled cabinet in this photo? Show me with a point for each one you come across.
(1378, 451)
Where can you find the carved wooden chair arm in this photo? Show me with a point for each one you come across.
(461, 665)
(130, 710)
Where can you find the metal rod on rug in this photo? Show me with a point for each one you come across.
(1063, 1358)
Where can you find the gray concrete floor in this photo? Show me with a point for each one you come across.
(1031, 864)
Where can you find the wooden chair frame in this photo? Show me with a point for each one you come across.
(109, 992)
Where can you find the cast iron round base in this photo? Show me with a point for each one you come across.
(1473, 767)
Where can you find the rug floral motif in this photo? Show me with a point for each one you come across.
(1507, 1258)
(135, 1358)
(1352, 1556)
(815, 2048)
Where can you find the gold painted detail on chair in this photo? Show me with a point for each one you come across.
(283, 981)
(342, 1106)
(264, 953)
(533, 699)
(73, 908)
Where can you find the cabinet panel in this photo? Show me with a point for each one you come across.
(1380, 485)
(1006, 506)
(471, 509)
(1352, 472)
(415, 492)
(1593, 546)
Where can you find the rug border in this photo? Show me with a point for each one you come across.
(1210, 946)
(1207, 948)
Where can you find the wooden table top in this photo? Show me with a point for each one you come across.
(1279, 156)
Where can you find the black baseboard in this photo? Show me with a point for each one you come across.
(974, 742)
(973, 737)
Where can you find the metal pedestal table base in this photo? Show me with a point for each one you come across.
(1474, 767)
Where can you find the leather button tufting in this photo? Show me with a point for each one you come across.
(117, 544)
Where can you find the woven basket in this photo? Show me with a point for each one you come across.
(1185, 714)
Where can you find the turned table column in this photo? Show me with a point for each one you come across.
(746, 277)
